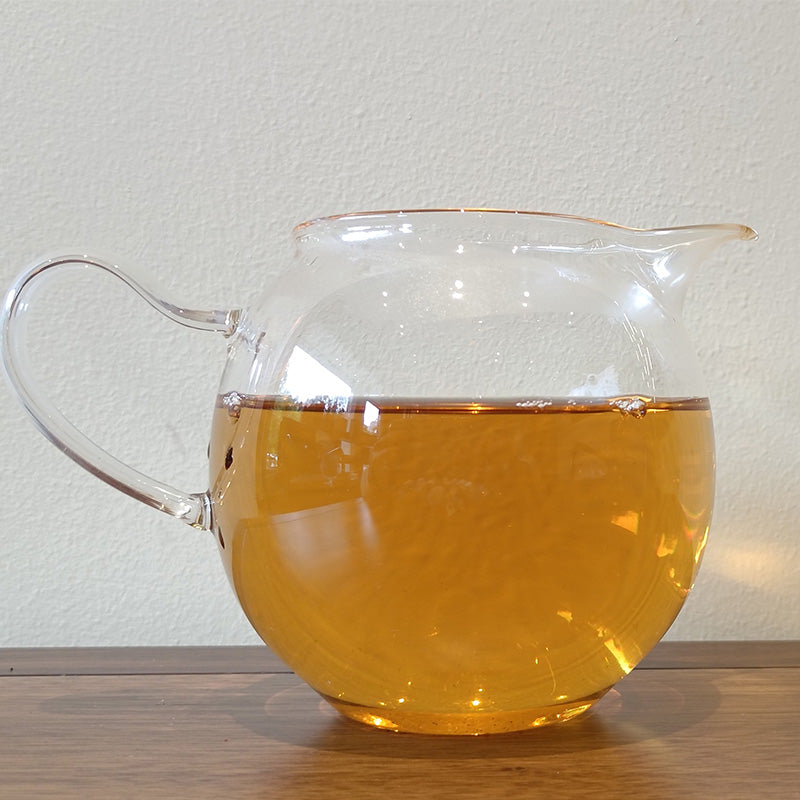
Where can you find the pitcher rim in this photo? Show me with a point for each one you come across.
(742, 231)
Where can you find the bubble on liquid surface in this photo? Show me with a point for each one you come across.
(233, 403)
(535, 404)
(630, 406)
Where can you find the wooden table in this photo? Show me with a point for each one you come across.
(699, 720)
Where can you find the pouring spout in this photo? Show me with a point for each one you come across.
(685, 235)
(672, 254)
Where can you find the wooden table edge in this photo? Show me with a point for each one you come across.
(257, 659)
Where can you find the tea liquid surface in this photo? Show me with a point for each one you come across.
(457, 563)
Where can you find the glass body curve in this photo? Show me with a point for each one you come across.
(469, 463)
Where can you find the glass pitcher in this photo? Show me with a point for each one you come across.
(461, 466)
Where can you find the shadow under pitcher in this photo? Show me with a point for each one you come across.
(462, 461)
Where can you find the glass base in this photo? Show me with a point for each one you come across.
(469, 724)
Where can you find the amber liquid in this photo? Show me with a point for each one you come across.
(457, 567)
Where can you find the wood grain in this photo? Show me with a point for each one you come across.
(690, 732)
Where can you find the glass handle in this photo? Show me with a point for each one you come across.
(194, 509)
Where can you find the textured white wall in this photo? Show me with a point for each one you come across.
(188, 137)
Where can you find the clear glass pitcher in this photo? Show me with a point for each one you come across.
(461, 461)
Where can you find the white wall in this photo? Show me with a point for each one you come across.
(188, 138)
